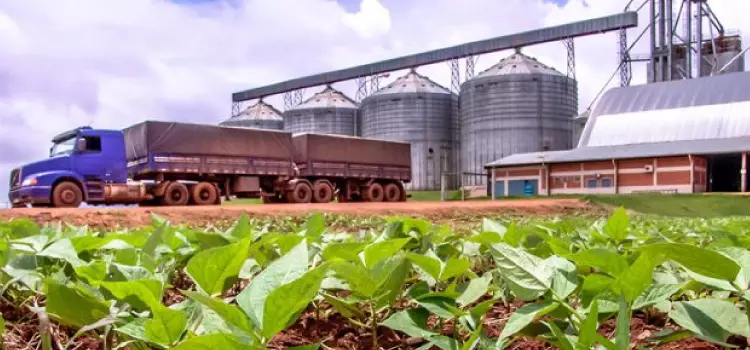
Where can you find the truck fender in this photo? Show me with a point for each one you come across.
(52, 178)
(292, 183)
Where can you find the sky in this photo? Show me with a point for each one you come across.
(81, 62)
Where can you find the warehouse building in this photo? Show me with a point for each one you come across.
(684, 136)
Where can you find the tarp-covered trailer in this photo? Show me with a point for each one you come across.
(238, 161)
(354, 167)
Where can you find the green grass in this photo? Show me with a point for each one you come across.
(679, 205)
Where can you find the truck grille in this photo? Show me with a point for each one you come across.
(15, 178)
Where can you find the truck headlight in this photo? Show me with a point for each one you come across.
(29, 181)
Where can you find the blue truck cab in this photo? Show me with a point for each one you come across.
(81, 163)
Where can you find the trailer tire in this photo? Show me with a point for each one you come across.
(322, 192)
(392, 193)
(301, 193)
(67, 194)
(175, 194)
(204, 193)
(373, 193)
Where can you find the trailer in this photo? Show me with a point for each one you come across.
(174, 164)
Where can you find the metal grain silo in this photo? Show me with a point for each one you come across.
(417, 110)
(258, 116)
(327, 112)
(518, 105)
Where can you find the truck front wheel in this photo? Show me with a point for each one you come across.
(204, 193)
(176, 194)
(67, 195)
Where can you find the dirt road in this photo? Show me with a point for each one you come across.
(202, 216)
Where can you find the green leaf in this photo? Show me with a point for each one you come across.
(2, 325)
(442, 306)
(166, 327)
(622, 329)
(286, 269)
(62, 249)
(594, 285)
(602, 259)
(154, 239)
(487, 238)
(241, 229)
(214, 342)
(358, 278)
(231, 314)
(589, 326)
(140, 294)
(476, 289)
(284, 305)
(711, 319)
(346, 308)
(214, 270)
(391, 275)
(72, 306)
(654, 294)
(94, 272)
(617, 225)
(430, 263)
(525, 315)
(315, 226)
(411, 322)
(526, 274)
(20, 228)
(699, 260)
(565, 278)
(454, 267)
(343, 251)
(562, 341)
(377, 252)
(489, 225)
(636, 279)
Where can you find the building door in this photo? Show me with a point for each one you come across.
(724, 173)
(499, 189)
(523, 187)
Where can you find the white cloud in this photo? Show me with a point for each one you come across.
(66, 63)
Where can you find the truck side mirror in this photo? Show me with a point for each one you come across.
(81, 145)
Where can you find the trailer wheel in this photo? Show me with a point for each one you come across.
(322, 192)
(176, 194)
(302, 193)
(204, 193)
(373, 193)
(67, 195)
(392, 193)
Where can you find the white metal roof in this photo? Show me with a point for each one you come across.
(704, 108)
(258, 111)
(674, 148)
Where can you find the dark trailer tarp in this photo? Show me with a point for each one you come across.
(353, 150)
(205, 140)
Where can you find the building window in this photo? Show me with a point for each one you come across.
(606, 182)
(591, 183)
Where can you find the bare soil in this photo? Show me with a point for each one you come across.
(113, 218)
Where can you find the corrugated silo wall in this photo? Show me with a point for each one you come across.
(509, 114)
(335, 121)
(257, 124)
(424, 120)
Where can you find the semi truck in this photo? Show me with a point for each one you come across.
(157, 163)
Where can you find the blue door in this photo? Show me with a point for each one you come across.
(523, 187)
(499, 189)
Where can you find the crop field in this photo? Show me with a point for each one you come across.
(476, 279)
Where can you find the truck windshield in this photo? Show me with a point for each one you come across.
(63, 147)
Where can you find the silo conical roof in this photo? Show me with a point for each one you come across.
(258, 111)
(328, 98)
(518, 63)
(412, 82)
